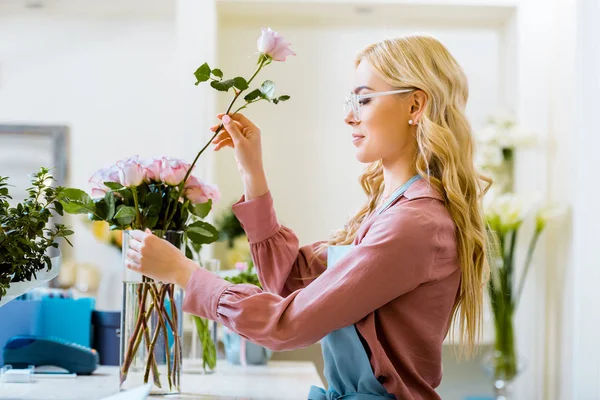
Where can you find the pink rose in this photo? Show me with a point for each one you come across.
(131, 172)
(241, 266)
(152, 169)
(273, 45)
(110, 174)
(199, 192)
(173, 171)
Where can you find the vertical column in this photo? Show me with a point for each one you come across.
(583, 368)
(196, 33)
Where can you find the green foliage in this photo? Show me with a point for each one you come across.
(153, 205)
(24, 236)
(245, 277)
(229, 227)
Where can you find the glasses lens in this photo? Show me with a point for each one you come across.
(347, 106)
(356, 108)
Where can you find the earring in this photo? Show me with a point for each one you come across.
(410, 121)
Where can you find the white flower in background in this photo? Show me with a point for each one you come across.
(488, 156)
(547, 213)
(504, 132)
(507, 212)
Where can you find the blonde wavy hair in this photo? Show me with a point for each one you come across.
(444, 159)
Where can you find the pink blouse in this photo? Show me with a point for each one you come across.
(398, 285)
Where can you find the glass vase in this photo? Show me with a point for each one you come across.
(502, 364)
(151, 327)
(202, 358)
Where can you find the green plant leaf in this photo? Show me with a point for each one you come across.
(267, 89)
(223, 86)
(202, 210)
(240, 83)
(77, 195)
(105, 207)
(201, 232)
(217, 72)
(154, 200)
(202, 74)
(113, 185)
(125, 215)
(73, 207)
(253, 95)
(58, 207)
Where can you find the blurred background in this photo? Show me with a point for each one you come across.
(85, 83)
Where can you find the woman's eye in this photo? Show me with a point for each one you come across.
(364, 101)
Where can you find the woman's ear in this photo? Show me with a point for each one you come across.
(419, 101)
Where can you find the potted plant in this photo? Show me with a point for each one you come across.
(29, 252)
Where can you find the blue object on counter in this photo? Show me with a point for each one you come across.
(23, 351)
(255, 354)
(66, 319)
(17, 318)
(107, 326)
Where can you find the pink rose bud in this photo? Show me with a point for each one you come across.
(152, 169)
(173, 171)
(199, 192)
(131, 172)
(110, 174)
(241, 266)
(273, 45)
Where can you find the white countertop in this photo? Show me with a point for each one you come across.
(277, 380)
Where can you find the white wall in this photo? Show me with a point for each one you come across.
(112, 81)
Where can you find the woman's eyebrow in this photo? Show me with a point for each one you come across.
(358, 89)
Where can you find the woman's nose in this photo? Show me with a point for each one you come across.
(349, 119)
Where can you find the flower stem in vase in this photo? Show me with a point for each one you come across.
(155, 373)
(135, 339)
(178, 349)
(159, 307)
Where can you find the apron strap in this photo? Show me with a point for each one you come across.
(397, 193)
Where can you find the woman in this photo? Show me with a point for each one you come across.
(381, 293)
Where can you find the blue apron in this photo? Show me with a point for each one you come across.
(347, 367)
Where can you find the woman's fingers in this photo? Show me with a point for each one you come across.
(241, 119)
(221, 136)
(232, 128)
(223, 143)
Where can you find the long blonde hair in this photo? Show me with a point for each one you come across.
(444, 159)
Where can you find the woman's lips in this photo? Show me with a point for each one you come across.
(357, 138)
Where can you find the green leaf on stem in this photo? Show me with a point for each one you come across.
(267, 89)
(240, 83)
(217, 72)
(201, 232)
(154, 200)
(151, 217)
(125, 215)
(202, 74)
(281, 98)
(58, 207)
(77, 195)
(105, 207)
(202, 210)
(253, 95)
(142, 191)
(113, 185)
(223, 86)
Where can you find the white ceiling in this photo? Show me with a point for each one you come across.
(463, 12)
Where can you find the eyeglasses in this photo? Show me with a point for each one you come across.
(353, 102)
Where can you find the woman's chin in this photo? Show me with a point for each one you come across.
(364, 157)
